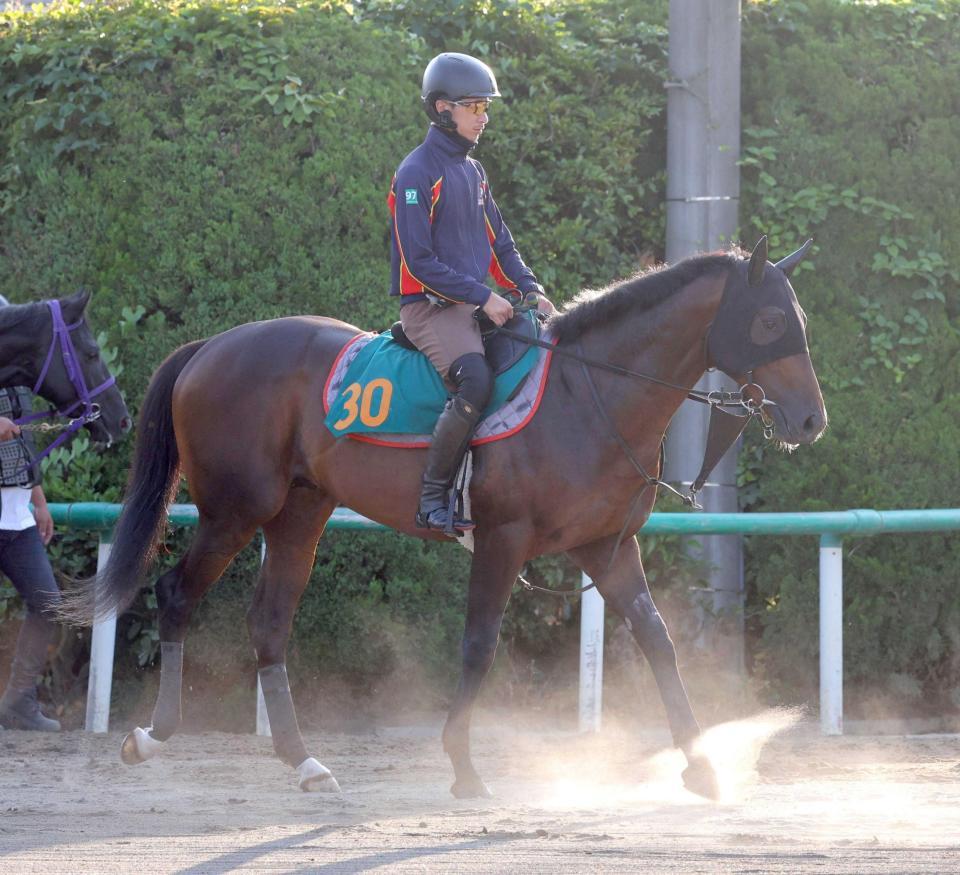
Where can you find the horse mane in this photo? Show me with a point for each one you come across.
(641, 292)
(13, 314)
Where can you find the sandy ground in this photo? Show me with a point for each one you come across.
(795, 802)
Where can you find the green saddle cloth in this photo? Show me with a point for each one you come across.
(392, 390)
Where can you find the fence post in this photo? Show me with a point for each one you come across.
(263, 720)
(591, 658)
(831, 635)
(102, 642)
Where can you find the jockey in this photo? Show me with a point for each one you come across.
(448, 236)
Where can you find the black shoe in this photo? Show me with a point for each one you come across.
(22, 711)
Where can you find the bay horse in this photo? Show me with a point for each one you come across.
(241, 416)
(47, 345)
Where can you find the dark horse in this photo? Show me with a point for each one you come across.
(241, 416)
(48, 346)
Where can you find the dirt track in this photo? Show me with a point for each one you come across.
(218, 802)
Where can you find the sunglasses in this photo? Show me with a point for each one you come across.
(477, 107)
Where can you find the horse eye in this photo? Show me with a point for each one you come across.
(769, 325)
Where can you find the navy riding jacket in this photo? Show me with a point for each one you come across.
(448, 234)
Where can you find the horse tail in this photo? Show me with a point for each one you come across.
(152, 484)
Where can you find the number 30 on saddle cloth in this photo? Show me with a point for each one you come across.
(381, 392)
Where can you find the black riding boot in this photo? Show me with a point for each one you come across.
(451, 437)
(19, 708)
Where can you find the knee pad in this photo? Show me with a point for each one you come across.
(473, 378)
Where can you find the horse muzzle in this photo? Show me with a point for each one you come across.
(795, 428)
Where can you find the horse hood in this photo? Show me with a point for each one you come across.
(759, 319)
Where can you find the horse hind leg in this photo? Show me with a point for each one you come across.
(179, 591)
(291, 539)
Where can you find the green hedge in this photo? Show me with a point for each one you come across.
(852, 137)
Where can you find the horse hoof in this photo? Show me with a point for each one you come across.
(139, 746)
(700, 778)
(316, 778)
(472, 788)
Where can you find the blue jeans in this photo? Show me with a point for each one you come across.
(23, 558)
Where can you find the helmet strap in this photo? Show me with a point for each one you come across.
(445, 120)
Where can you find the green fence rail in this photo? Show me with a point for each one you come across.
(91, 515)
(831, 526)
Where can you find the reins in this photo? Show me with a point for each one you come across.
(737, 400)
(741, 401)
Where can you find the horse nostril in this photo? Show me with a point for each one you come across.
(125, 424)
(813, 424)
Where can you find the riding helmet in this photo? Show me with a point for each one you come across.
(452, 76)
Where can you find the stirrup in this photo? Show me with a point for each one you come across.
(451, 523)
(453, 526)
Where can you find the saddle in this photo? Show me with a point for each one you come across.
(501, 352)
(381, 389)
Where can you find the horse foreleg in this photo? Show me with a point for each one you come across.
(624, 588)
(179, 591)
(291, 544)
(496, 564)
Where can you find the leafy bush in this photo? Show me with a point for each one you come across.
(852, 137)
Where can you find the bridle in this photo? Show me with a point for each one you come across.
(730, 412)
(85, 395)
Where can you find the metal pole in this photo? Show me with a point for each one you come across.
(703, 193)
(102, 643)
(831, 635)
(591, 658)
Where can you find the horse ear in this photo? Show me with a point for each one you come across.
(791, 261)
(758, 262)
(75, 304)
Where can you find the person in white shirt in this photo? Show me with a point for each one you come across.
(23, 558)
(24, 534)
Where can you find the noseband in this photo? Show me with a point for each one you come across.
(71, 363)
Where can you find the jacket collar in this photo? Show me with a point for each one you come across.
(450, 143)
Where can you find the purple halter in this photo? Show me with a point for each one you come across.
(71, 362)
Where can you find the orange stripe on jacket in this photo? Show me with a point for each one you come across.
(435, 196)
(496, 270)
(409, 284)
